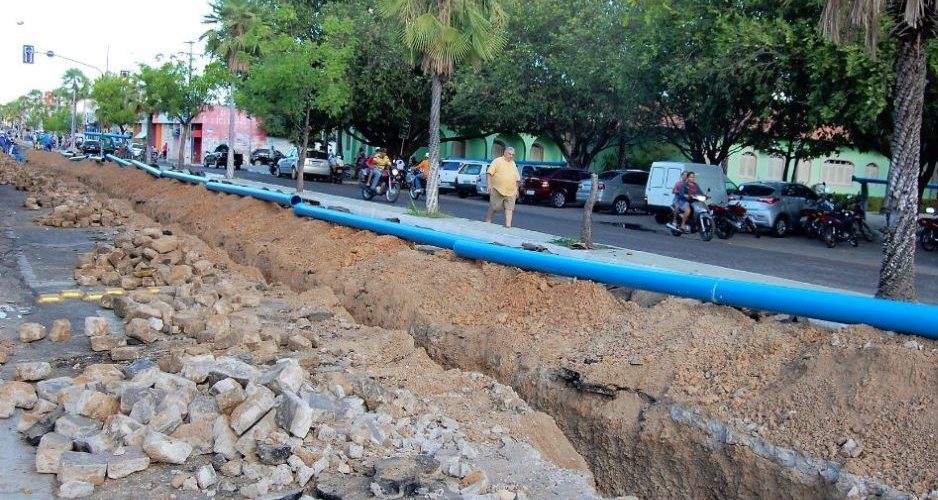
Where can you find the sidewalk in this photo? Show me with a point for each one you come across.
(515, 237)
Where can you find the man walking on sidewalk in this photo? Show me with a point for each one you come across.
(503, 180)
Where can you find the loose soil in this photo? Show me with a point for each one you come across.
(609, 370)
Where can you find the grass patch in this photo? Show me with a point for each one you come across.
(419, 212)
(571, 242)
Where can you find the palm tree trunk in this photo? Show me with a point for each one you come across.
(433, 184)
(897, 274)
(230, 163)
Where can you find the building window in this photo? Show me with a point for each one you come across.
(457, 148)
(498, 149)
(872, 171)
(837, 172)
(537, 152)
(803, 175)
(747, 165)
(776, 168)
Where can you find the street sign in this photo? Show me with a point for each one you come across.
(28, 54)
(125, 73)
(405, 129)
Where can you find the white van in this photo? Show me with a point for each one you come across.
(664, 174)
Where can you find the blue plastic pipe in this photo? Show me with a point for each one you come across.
(155, 172)
(905, 317)
(420, 235)
(182, 176)
(261, 194)
(120, 161)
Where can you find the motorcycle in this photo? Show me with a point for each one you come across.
(928, 235)
(338, 171)
(389, 186)
(730, 219)
(839, 224)
(412, 186)
(701, 221)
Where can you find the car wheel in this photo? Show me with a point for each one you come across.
(293, 173)
(621, 205)
(273, 171)
(253, 163)
(927, 240)
(462, 194)
(780, 227)
(558, 199)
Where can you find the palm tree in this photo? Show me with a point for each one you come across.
(77, 82)
(914, 27)
(233, 40)
(443, 33)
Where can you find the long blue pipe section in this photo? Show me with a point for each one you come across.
(918, 319)
(182, 176)
(120, 161)
(420, 235)
(155, 172)
(261, 194)
(911, 318)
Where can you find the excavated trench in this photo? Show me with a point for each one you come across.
(611, 372)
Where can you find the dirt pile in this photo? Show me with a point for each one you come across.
(248, 389)
(620, 379)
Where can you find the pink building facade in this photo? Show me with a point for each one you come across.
(209, 129)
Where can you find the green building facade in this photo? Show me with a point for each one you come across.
(837, 169)
(527, 147)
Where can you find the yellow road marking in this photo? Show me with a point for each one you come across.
(89, 296)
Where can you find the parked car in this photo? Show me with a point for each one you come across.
(775, 205)
(448, 171)
(219, 158)
(316, 165)
(469, 176)
(266, 156)
(556, 185)
(136, 150)
(91, 147)
(619, 190)
(663, 175)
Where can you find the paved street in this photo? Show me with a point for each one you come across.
(793, 257)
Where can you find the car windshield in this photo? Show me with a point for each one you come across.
(470, 169)
(756, 190)
(605, 176)
(316, 154)
(450, 165)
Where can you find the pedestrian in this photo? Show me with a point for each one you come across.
(165, 149)
(503, 178)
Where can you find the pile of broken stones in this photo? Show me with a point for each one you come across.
(207, 376)
(72, 207)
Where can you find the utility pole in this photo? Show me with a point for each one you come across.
(71, 138)
(189, 125)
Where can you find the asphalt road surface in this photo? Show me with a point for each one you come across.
(793, 257)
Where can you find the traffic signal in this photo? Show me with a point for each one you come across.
(28, 54)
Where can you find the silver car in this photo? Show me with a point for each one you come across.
(316, 165)
(619, 190)
(775, 205)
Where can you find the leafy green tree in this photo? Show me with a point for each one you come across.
(182, 95)
(59, 120)
(298, 84)
(117, 100)
(152, 83)
(564, 74)
(442, 34)
(911, 23)
(236, 37)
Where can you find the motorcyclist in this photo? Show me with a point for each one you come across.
(421, 172)
(379, 162)
(688, 190)
(335, 162)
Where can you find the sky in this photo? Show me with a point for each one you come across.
(111, 35)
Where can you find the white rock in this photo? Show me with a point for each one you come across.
(96, 326)
(76, 489)
(162, 448)
(37, 370)
(206, 476)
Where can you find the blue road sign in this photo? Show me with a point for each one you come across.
(28, 54)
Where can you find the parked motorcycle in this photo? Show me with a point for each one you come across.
(839, 224)
(730, 219)
(929, 232)
(701, 221)
(389, 186)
